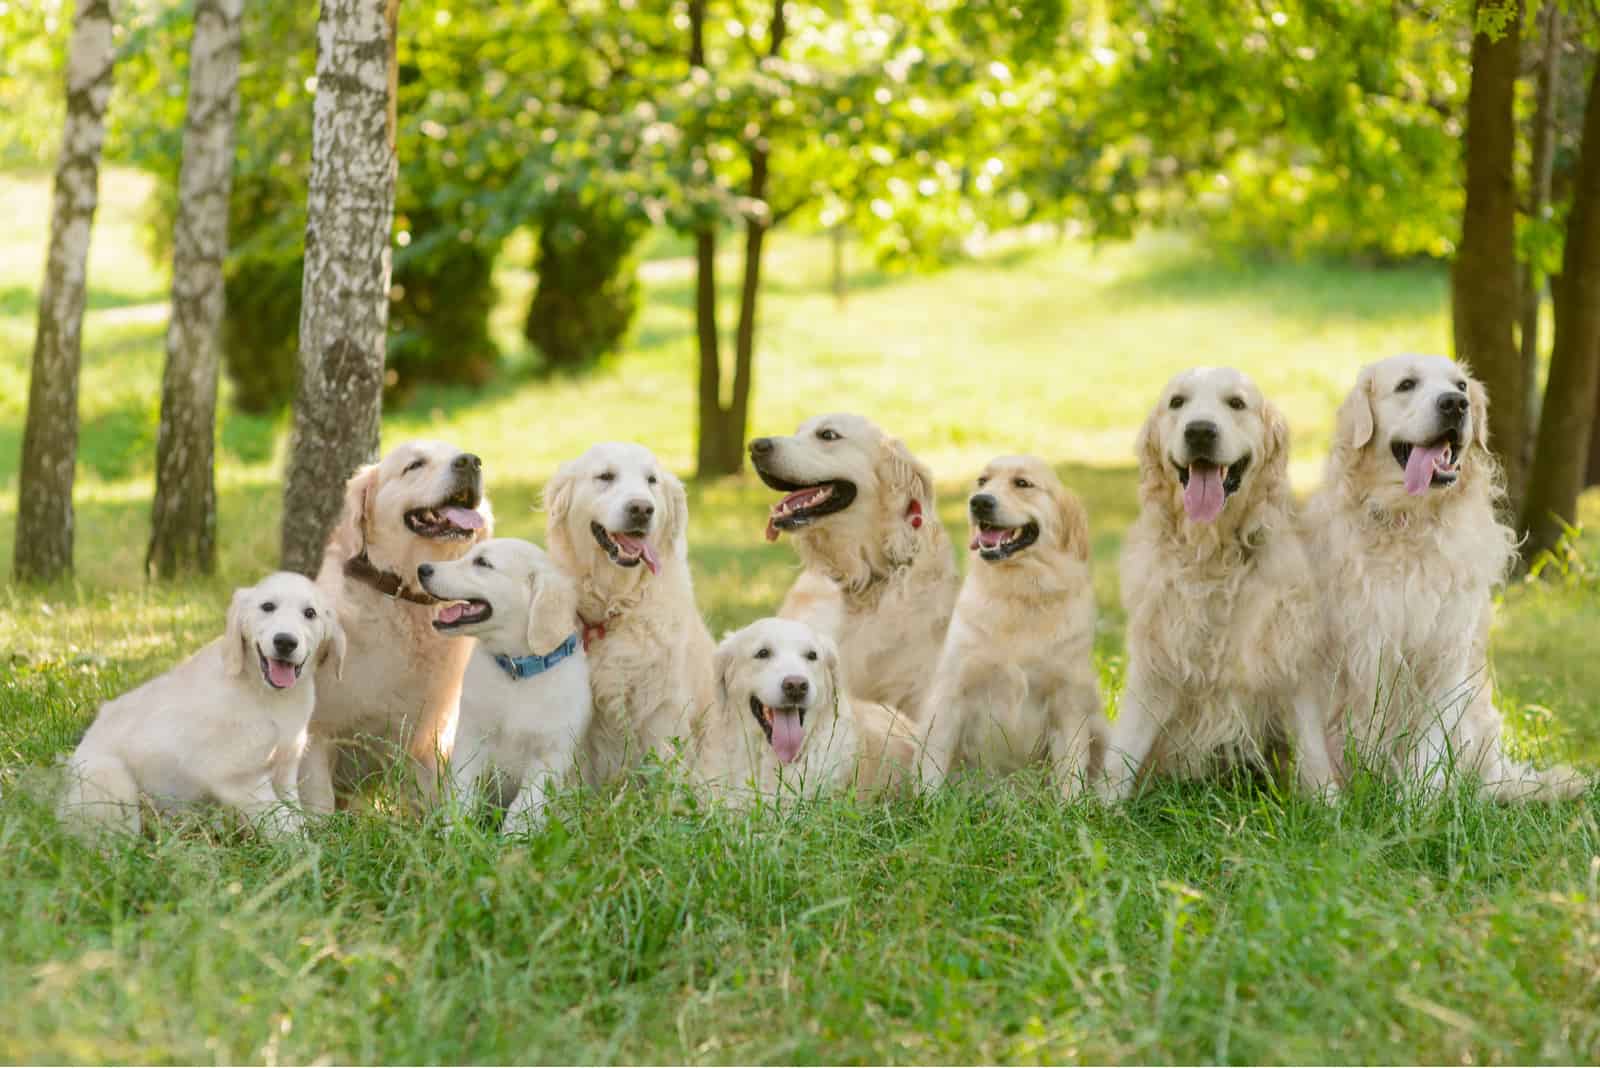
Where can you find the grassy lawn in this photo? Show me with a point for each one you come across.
(1200, 923)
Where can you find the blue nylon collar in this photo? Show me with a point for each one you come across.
(526, 667)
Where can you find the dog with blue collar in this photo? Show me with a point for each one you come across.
(525, 699)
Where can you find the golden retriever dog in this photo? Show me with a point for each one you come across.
(401, 690)
(227, 726)
(880, 578)
(525, 703)
(1016, 683)
(1218, 591)
(1408, 551)
(785, 725)
(617, 523)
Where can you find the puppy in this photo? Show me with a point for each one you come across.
(785, 724)
(400, 694)
(617, 523)
(1218, 592)
(525, 703)
(880, 578)
(226, 726)
(1408, 552)
(1016, 681)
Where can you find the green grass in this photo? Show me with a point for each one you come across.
(1201, 923)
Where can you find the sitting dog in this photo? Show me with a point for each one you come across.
(880, 578)
(400, 694)
(1016, 681)
(1221, 605)
(226, 726)
(1408, 552)
(525, 702)
(617, 523)
(785, 724)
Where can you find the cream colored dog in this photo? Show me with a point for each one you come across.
(401, 689)
(785, 725)
(1408, 551)
(525, 703)
(880, 578)
(617, 523)
(1218, 591)
(226, 726)
(1016, 682)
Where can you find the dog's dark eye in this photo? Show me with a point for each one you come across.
(483, 561)
(1462, 386)
(982, 479)
(651, 480)
(828, 434)
(1022, 483)
(811, 654)
(268, 606)
(1406, 385)
(607, 476)
(310, 613)
(1176, 401)
(763, 653)
(1236, 403)
(413, 465)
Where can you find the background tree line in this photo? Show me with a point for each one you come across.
(1384, 132)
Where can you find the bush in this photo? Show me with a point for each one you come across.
(588, 290)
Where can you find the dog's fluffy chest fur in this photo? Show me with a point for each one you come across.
(525, 721)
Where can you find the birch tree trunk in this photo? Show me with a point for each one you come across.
(1484, 290)
(50, 441)
(183, 521)
(345, 294)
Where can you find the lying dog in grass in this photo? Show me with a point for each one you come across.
(525, 703)
(785, 725)
(421, 503)
(617, 523)
(226, 726)
(1408, 551)
(1016, 682)
(880, 578)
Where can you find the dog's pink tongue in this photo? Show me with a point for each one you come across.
(1202, 497)
(787, 734)
(280, 673)
(452, 611)
(1419, 468)
(465, 518)
(641, 548)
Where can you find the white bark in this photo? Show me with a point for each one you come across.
(50, 443)
(345, 295)
(184, 512)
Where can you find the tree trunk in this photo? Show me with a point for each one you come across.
(50, 441)
(1484, 283)
(183, 521)
(1540, 171)
(1570, 396)
(709, 448)
(344, 310)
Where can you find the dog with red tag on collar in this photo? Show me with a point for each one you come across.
(880, 575)
(397, 702)
(525, 703)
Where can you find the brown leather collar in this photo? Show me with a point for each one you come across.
(387, 583)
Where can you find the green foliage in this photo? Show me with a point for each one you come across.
(588, 289)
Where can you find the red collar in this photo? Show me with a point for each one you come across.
(914, 514)
(591, 632)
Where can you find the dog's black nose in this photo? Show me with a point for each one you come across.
(795, 687)
(1200, 434)
(1452, 405)
(468, 462)
(760, 446)
(982, 505)
(424, 571)
(285, 644)
(640, 511)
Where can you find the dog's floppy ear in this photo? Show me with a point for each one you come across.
(360, 494)
(557, 503)
(727, 653)
(1072, 523)
(485, 532)
(1276, 435)
(552, 609)
(233, 636)
(1353, 426)
(831, 662)
(677, 514)
(334, 643)
(1147, 447)
(909, 497)
(1478, 397)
